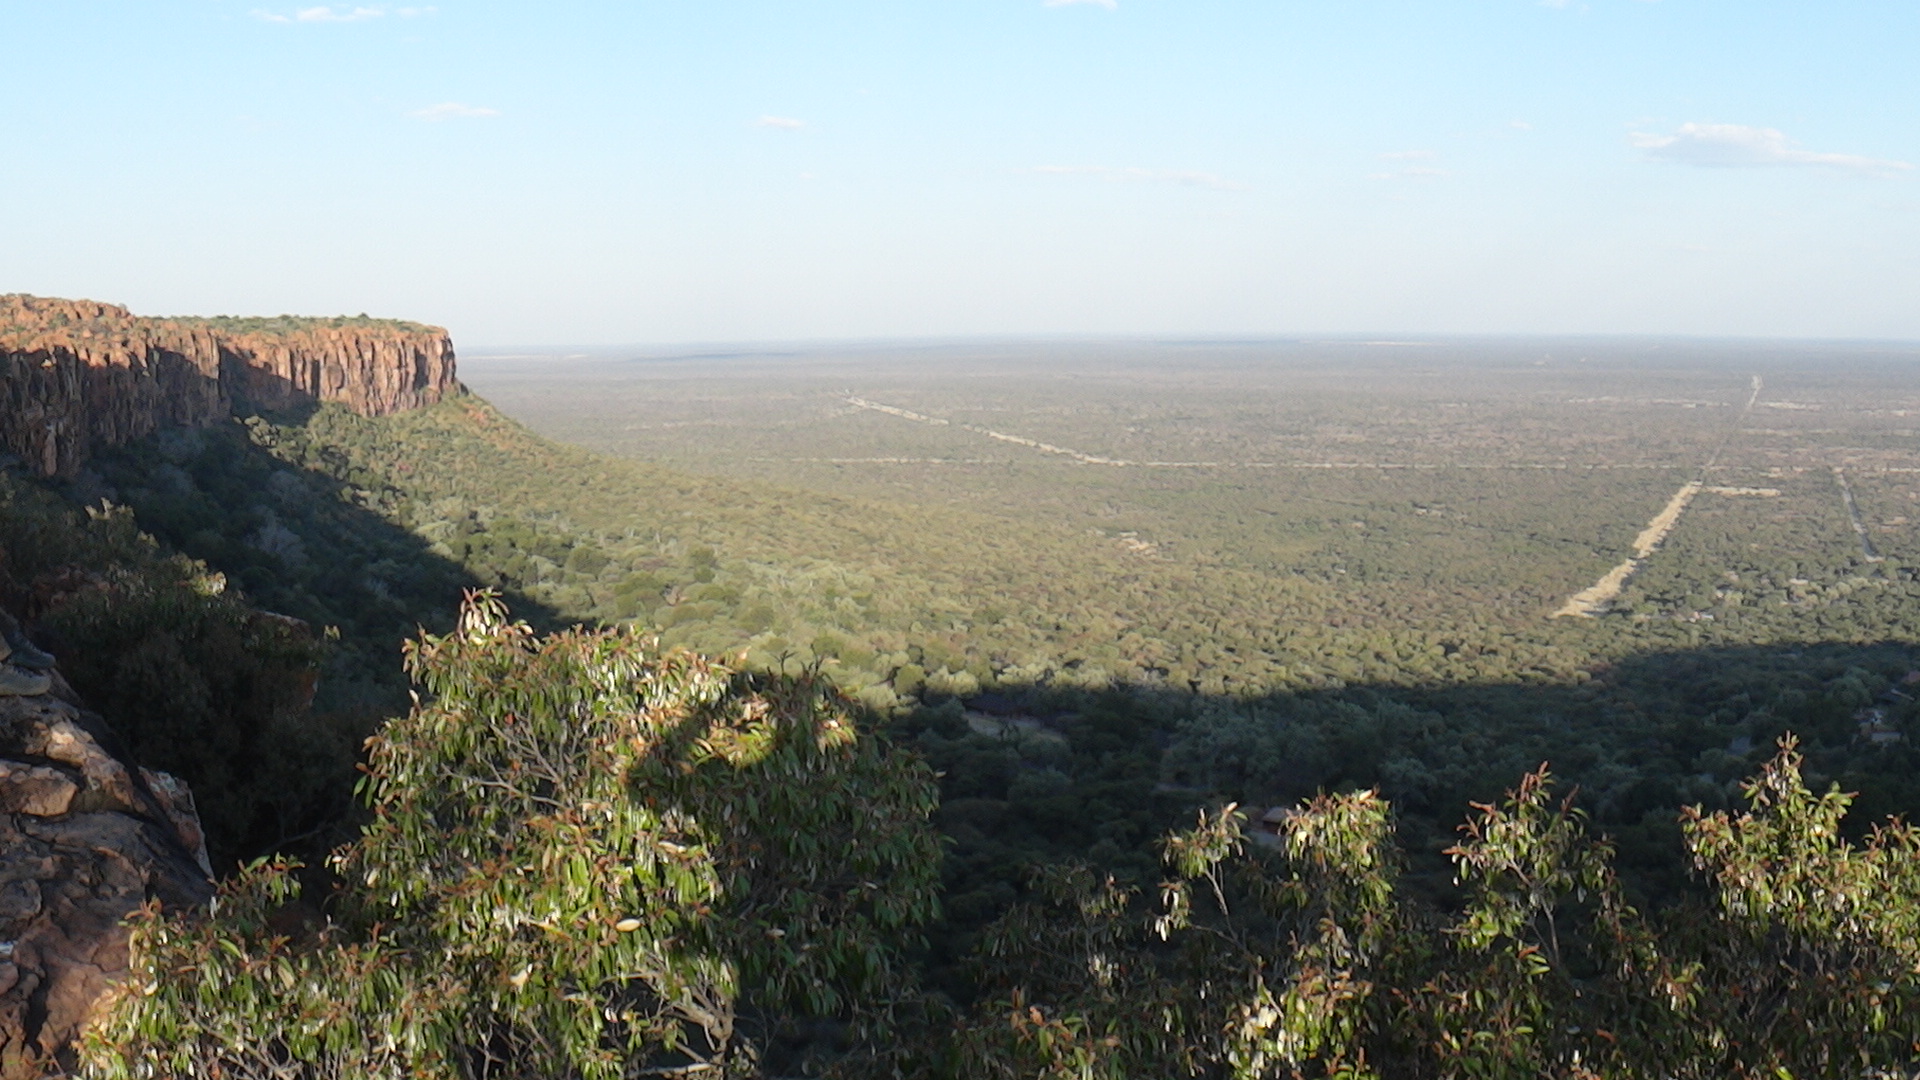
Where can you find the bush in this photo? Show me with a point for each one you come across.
(208, 689)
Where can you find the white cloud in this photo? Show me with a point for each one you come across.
(327, 14)
(453, 110)
(1737, 145)
(784, 123)
(343, 14)
(1187, 178)
(1409, 155)
(1519, 125)
(1110, 5)
(1418, 172)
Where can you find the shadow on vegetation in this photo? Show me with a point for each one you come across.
(581, 775)
(1034, 775)
(257, 677)
(301, 541)
(305, 519)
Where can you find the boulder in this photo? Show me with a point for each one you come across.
(85, 839)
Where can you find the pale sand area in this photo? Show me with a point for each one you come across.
(1594, 599)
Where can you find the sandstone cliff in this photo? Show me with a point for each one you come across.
(76, 375)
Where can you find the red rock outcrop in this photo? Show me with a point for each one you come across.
(85, 839)
(76, 375)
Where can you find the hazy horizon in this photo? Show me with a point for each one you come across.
(773, 347)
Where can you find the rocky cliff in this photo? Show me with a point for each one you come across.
(76, 375)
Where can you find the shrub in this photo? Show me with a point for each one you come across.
(202, 686)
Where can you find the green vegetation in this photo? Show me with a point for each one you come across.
(1355, 591)
(310, 543)
(1080, 697)
(295, 324)
(198, 682)
(22, 314)
(1086, 656)
(584, 859)
(1308, 960)
(587, 861)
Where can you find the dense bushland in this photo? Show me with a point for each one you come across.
(586, 858)
(197, 681)
(589, 853)
(1078, 701)
(1302, 956)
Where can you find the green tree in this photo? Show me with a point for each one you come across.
(585, 859)
(1813, 968)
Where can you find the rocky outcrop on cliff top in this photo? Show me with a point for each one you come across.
(76, 375)
(85, 839)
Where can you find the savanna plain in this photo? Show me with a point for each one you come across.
(1194, 655)
(1312, 564)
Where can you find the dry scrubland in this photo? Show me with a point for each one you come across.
(1471, 478)
(1326, 565)
(1072, 595)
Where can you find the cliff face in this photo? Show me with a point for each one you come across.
(76, 375)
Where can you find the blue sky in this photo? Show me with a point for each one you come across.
(644, 171)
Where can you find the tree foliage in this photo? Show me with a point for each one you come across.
(585, 858)
(1299, 958)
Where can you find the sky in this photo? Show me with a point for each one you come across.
(659, 171)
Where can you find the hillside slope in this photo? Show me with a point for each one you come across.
(1078, 695)
(724, 564)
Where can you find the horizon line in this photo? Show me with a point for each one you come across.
(552, 350)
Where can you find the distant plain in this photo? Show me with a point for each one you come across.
(1436, 478)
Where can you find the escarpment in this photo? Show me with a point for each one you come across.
(76, 375)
